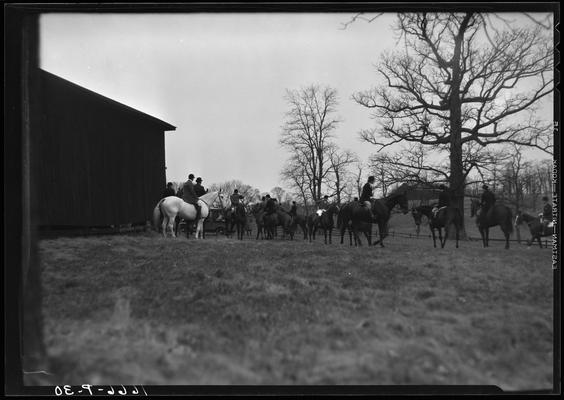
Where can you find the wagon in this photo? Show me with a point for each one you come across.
(213, 223)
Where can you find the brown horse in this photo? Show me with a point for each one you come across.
(279, 218)
(355, 215)
(497, 215)
(446, 216)
(537, 229)
(235, 218)
(301, 221)
(324, 221)
(258, 213)
(342, 225)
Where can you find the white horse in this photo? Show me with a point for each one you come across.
(172, 206)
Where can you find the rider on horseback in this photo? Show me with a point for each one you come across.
(294, 209)
(270, 207)
(487, 201)
(189, 195)
(322, 205)
(366, 195)
(169, 191)
(546, 215)
(444, 200)
(235, 200)
(198, 188)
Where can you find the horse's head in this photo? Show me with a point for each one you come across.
(518, 218)
(417, 215)
(401, 199)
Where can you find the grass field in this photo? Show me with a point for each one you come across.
(140, 309)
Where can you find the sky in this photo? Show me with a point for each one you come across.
(220, 79)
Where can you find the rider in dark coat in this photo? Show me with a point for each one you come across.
(323, 205)
(198, 188)
(546, 215)
(270, 205)
(190, 196)
(444, 200)
(235, 200)
(487, 200)
(169, 191)
(366, 195)
(294, 209)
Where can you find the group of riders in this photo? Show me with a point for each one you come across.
(190, 192)
(487, 203)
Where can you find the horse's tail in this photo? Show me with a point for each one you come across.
(510, 220)
(157, 214)
(342, 219)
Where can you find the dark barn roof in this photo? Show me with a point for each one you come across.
(111, 103)
(96, 162)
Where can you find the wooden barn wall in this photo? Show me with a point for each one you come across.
(99, 165)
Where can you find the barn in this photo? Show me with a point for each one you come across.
(97, 162)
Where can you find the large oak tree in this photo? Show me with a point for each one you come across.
(460, 82)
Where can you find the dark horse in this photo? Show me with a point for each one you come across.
(446, 216)
(279, 218)
(498, 215)
(325, 222)
(357, 217)
(258, 212)
(537, 229)
(237, 218)
(301, 221)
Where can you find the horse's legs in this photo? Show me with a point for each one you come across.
(164, 225)
(483, 236)
(457, 234)
(434, 238)
(356, 236)
(383, 233)
(440, 235)
(487, 237)
(171, 226)
(446, 236)
(506, 233)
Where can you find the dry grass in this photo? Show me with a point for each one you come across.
(139, 309)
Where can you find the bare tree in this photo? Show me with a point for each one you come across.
(339, 179)
(278, 193)
(456, 82)
(358, 177)
(295, 174)
(513, 177)
(308, 130)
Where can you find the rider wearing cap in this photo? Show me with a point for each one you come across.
(546, 216)
(366, 195)
(235, 200)
(198, 188)
(169, 191)
(190, 196)
(294, 209)
(270, 207)
(322, 205)
(444, 200)
(487, 199)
